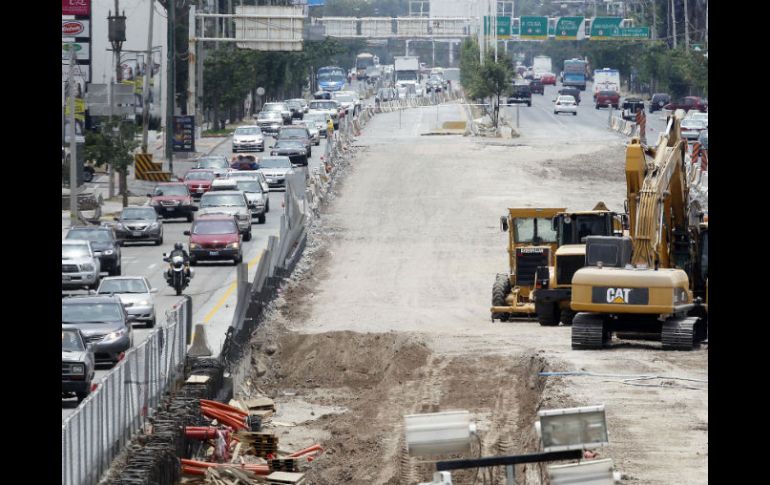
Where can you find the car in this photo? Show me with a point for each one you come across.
(252, 174)
(630, 106)
(328, 105)
(269, 122)
(276, 169)
(103, 321)
(256, 195)
(548, 78)
(321, 120)
(607, 98)
(703, 138)
(281, 108)
(244, 162)
(435, 84)
(214, 237)
(386, 94)
(229, 202)
(697, 115)
(105, 245)
(301, 102)
(295, 150)
(687, 103)
(691, 129)
(565, 104)
(570, 91)
(296, 108)
(521, 93)
(315, 135)
(346, 100)
(171, 200)
(248, 139)
(536, 86)
(658, 101)
(198, 182)
(79, 265)
(78, 364)
(216, 163)
(139, 223)
(296, 133)
(136, 294)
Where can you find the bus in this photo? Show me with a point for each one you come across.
(363, 61)
(606, 80)
(574, 74)
(331, 78)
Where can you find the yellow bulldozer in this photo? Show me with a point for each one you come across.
(656, 280)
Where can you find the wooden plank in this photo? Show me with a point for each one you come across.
(260, 403)
(286, 477)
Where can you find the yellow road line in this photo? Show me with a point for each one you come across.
(229, 291)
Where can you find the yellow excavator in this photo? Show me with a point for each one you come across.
(656, 280)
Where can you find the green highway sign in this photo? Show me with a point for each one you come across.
(534, 28)
(570, 28)
(605, 28)
(633, 33)
(503, 26)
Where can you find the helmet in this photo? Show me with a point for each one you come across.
(179, 246)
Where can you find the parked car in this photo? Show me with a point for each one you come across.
(658, 101)
(248, 139)
(565, 104)
(139, 223)
(520, 93)
(296, 133)
(293, 149)
(269, 122)
(172, 199)
(296, 108)
(103, 321)
(78, 364)
(607, 98)
(232, 203)
(253, 174)
(536, 86)
(321, 120)
(570, 91)
(214, 237)
(79, 265)
(276, 169)
(216, 163)
(136, 294)
(198, 182)
(691, 129)
(281, 108)
(105, 245)
(328, 105)
(630, 105)
(687, 103)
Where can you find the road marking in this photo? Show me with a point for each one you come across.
(229, 291)
(152, 266)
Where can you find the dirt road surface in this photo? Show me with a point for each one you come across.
(392, 317)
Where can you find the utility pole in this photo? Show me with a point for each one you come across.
(170, 82)
(654, 21)
(73, 142)
(148, 67)
(686, 28)
(707, 26)
(494, 34)
(116, 34)
(673, 21)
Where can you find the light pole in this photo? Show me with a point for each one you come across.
(116, 35)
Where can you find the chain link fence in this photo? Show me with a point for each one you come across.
(126, 397)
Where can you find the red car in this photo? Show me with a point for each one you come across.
(688, 103)
(172, 199)
(548, 78)
(214, 237)
(607, 98)
(198, 181)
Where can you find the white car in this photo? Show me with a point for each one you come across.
(565, 104)
(328, 105)
(691, 128)
(315, 135)
(136, 294)
(248, 139)
(321, 120)
(79, 265)
(252, 174)
(697, 115)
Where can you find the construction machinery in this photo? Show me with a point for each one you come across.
(553, 284)
(656, 280)
(532, 242)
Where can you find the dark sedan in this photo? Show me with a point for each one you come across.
(687, 103)
(139, 224)
(104, 243)
(293, 149)
(297, 133)
(103, 321)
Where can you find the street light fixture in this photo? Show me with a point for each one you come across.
(573, 428)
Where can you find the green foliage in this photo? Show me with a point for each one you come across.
(115, 145)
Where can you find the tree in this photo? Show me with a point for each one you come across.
(115, 145)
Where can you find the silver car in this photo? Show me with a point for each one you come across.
(321, 121)
(691, 128)
(230, 202)
(279, 108)
(252, 174)
(328, 105)
(276, 169)
(80, 267)
(256, 196)
(315, 135)
(139, 223)
(136, 294)
(248, 139)
(216, 163)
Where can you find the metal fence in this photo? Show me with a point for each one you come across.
(107, 420)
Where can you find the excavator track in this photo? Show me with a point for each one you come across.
(679, 334)
(588, 332)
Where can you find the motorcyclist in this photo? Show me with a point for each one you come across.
(178, 251)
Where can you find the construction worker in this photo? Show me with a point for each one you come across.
(330, 128)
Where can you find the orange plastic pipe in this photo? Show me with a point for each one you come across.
(226, 407)
(311, 449)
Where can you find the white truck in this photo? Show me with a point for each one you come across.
(541, 65)
(407, 69)
(606, 80)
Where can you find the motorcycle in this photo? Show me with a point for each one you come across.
(177, 276)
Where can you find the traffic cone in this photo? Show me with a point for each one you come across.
(200, 347)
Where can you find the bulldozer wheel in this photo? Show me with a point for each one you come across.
(588, 332)
(500, 290)
(548, 314)
(679, 334)
(567, 316)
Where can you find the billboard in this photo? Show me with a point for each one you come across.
(75, 28)
(76, 7)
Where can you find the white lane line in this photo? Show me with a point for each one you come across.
(152, 266)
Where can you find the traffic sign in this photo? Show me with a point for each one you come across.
(605, 28)
(570, 28)
(633, 33)
(534, 28)
(503, 26)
